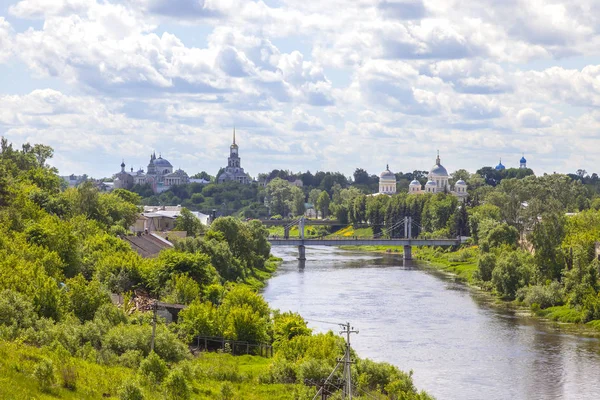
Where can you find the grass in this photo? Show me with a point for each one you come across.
(350, 231)
(462, 263)
(561, 314)
(259, 278)
(206, 374)
(18, 361)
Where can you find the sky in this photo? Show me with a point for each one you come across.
(309, 85)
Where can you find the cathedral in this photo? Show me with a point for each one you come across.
(234, 171)
(437, 182)
(159, 175)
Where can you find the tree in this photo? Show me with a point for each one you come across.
(297, 201)
(203, 175)
(186, 221)
(547, 237)
(313, 196)
(506, 276)
(361, 177)
(323, 204)
(279, 195)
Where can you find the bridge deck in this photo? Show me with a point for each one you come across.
(364, 242)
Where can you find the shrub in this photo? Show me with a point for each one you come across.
(131, 359)
(591, 307)
(544, 295)
(176, 386)
(68, 374)
(44, 374)
(130, 391)
(153, 368)
(485, 266)
(182, 289)
(123, 337)
(312, 371)
(226, 391)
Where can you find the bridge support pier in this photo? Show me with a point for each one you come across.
(407, 253)
(301, 252)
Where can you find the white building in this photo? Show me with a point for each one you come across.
(160, 176)
(387, 182)
(437, 182)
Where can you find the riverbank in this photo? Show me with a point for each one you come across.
(462, 264)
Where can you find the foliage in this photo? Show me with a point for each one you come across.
(44, 374)
(186, 221)
(176, 386)
(153, 368)
(130, 391)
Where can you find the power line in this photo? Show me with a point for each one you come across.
(323, 322)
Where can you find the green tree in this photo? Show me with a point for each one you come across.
(323, 204)
(186, 221)
(279, 195)
(297, 201)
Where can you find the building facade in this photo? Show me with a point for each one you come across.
(438, 182)
(387, 182)
(234, 172)
(159, 175)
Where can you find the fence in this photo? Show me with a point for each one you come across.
(236, 347)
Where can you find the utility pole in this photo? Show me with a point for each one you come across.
(154, 309)
(347, 373)
(347, 392)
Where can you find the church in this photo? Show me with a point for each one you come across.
(234, 171)
(159, 175)
(437, 182)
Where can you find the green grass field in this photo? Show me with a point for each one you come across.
(209, 376)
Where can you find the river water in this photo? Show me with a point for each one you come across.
(458, 346)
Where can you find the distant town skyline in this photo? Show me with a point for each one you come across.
(327, 86)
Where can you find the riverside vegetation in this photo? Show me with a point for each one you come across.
(532, 239)
(62, 337)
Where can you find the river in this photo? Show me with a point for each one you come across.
(458, 346)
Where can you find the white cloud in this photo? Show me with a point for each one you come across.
(529, 118)
(6, 38)
(38, 9)
(309, 85)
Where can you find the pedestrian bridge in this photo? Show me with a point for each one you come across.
(405, 243)
(379, 240)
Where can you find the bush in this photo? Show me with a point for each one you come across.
(182, 289)
(153, 368)
(312, 371)
(44, 374)
(485, 266)
(226, 391)
(591, 307)
(68, 374)
(176, 386)
(544, 295)
(123, 337)
(131, 359)
(130, 391)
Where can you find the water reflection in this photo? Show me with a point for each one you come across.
(417, 318)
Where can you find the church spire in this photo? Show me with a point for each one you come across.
(437, 160)
(234, 135)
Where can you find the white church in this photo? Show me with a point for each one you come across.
(437, 182)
